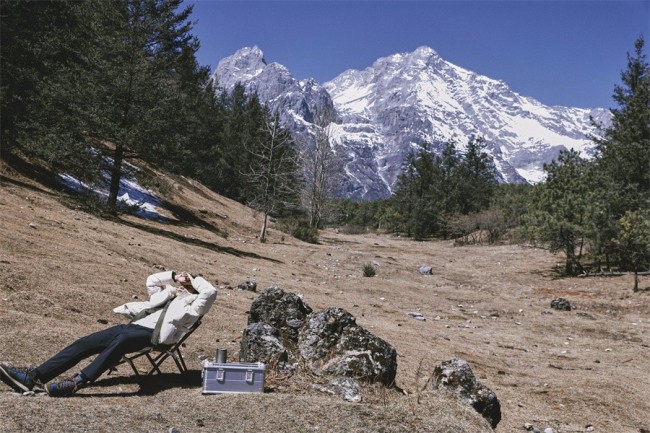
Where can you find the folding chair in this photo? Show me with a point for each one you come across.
(164, 352)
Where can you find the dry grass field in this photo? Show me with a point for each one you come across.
(64, 270)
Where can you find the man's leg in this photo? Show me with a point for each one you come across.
(126, 339)
(107, 343)
(132, 338)
(81, 349)
(24, 379)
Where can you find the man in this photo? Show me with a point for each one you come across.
(176, 301)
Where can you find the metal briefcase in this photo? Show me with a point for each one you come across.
(232, 377)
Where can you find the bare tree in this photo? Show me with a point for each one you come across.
(321, 168)
(273, 174)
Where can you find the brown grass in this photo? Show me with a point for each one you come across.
(63, 270)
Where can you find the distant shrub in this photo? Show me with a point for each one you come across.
(369, 270)
(352, 230)
(479, 228)
(299, 229)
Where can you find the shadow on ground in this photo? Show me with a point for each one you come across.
(148, 385)
(183, 217)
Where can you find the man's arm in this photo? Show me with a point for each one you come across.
(157, 282)
(207, 294)
(179, 320)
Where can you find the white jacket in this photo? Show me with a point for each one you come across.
(183, 311)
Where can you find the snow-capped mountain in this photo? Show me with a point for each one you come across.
(296, 101)
(409, 99)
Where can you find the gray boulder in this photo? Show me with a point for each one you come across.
(261, 342)
(331, 342)
(282, 327)
(285, 311)
(344, 387)
(456, 376)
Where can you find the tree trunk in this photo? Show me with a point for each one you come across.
(116, 175)
(263, 231)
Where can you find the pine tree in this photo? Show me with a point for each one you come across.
(623, 166)
(146, 53)
(418, 198)
(624, 152)
(114, 79)
(476, 178)
(43, 45)
(560, 208)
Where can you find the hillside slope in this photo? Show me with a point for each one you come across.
(64, 270)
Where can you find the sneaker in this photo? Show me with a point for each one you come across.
(21, 379)
(63, 388)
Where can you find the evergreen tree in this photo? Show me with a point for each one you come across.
(243, 118)
(560, 207)
(122, 83)
(476, 178)
(146, 54)
(417, 196)
(623, 170)
(635, 241)
(624, 152)
(405, 195)
(43, 45)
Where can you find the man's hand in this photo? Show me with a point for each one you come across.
(183, 279)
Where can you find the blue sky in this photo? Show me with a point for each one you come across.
(566, 53)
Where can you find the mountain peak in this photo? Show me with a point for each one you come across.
(246, 62)
(425, 51)
(253, 52)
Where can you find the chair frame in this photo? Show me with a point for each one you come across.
(164, 352)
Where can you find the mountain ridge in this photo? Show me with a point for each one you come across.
(408, 99)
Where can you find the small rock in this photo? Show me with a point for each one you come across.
(250, 286)
(426, 270)
(32, 225)
(528, 426)
(417, 316)
(561, 304)
(174, 430)
(589, 427)
(549, 430)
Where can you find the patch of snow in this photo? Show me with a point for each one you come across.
(130, 193)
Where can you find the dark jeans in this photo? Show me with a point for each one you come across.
(109, 345)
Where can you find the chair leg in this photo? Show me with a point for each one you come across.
(180, 363)
(156, 362)
(130, 362)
